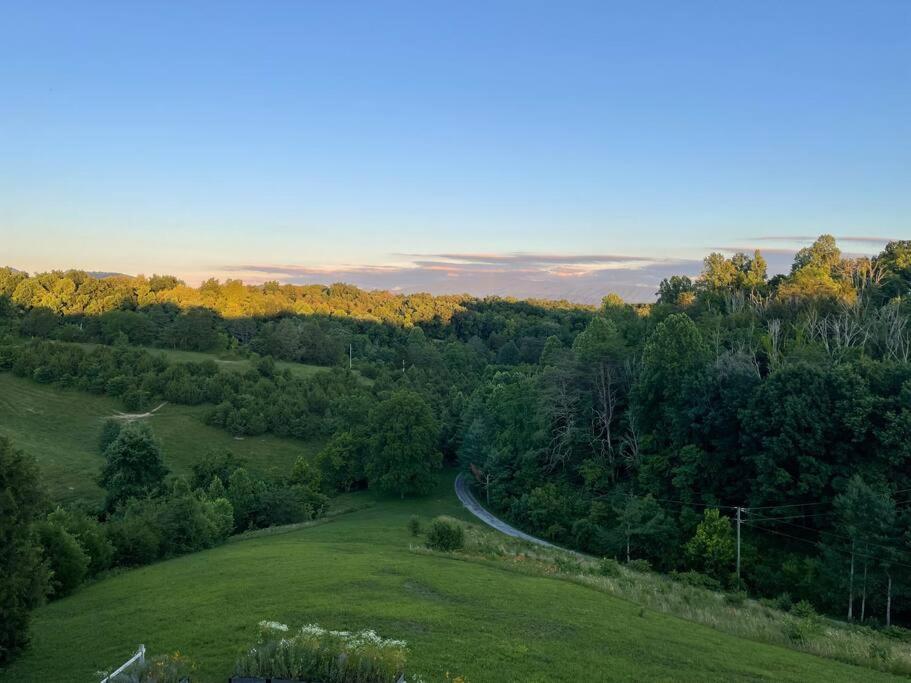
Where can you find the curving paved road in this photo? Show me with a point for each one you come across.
(463, 491)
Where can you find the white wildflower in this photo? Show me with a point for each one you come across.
(312, 630)
(273, 626)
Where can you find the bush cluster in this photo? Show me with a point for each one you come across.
(445, 534)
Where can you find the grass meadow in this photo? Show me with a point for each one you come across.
(61, 428)
(463, 615)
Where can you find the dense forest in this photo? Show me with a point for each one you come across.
(634, 432)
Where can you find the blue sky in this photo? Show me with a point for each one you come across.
(522, 148)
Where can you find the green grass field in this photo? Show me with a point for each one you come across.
(477, 619)
(61, 429)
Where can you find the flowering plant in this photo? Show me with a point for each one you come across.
(313, 653)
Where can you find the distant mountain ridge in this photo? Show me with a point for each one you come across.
(97, 274)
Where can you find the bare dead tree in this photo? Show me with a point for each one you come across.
(774, 337)
(807, 325)
(894, 332)
(606, 398)
(746, 347)
(849, 329)
(563, 421)
(734, 301)
(630, 442)
(866, 274)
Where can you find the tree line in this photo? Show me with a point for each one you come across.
(632, 432)
(789, 397)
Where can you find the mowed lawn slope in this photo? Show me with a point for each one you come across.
(356, 571)
(60, 428)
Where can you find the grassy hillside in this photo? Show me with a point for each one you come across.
(227, 361)
(61, 429)
(356, 571)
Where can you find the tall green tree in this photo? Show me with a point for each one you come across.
(24, 578)
(642, 527)
(403, 457)
(674, 355)
(68, 561)
(677, 290)
(866, 522)
(804, 428)
(816, 274)
(895, 261)
(711, 549)
(134, 467)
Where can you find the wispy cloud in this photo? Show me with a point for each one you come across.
(533, 259)
(578, 277)
(574, 276)
(584, 278)
(789, 251)
(881, 241)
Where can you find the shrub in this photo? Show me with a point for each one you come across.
(135, 399)
(568, 565)
(711, 549)
(221, 514)
(608, 567)
(414, 525)
(735, 599)
(282, 505)
(277, 504)
(44, 375)
(67, 560)
(697, 579)
(184, 521)
(90, 535)
(220, 464)
(445, 534)
(109, 433)
(639, 565)
(804, 610)
(879, 652)
(799, 631)
(897, 633)
(305, 473)
(341, 462)
(134, 535)
(784, 602)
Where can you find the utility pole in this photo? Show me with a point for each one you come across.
(739, 510)
(350, 353)
(403, 366)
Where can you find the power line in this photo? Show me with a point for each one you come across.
(788, 505)
(803, 516)
(690, 503)
(813, 543)
(842, 536)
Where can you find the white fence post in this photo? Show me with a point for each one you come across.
(139, 656)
